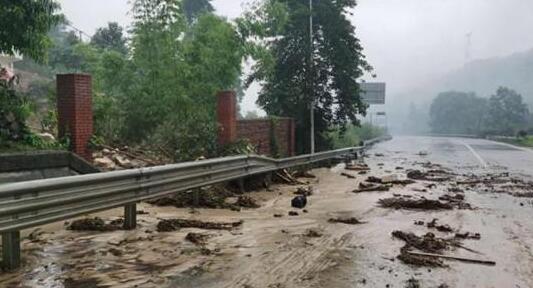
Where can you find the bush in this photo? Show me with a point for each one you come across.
(14, 110)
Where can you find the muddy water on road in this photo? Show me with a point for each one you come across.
(268, 251)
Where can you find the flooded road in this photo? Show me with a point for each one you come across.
(273, 249)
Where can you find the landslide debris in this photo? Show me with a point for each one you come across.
(95, 224)
(246, 202)
(167, 225)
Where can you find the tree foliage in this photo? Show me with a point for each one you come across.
(457, 113)
(25, 25)
(194, 8)
(110, 37)
(506, 112)
(291, 79)
(465, 113)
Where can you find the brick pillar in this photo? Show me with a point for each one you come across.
(292, 138)
(227, 117)
(74, 107)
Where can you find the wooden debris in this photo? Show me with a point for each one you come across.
(463, 259)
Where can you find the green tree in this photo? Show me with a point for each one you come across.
(292, 80)
(110, 37)
(194, 8)
(506, 113)
(457, 113)
(25, 25)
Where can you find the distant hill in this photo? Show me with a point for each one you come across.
(485, 76)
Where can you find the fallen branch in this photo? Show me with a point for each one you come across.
(485, 262)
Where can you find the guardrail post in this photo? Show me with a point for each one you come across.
(11, 250)
(130, 216)
(196, 197)
(268, 179)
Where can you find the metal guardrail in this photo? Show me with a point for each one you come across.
(33, 203)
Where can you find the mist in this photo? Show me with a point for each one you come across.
(415, 46)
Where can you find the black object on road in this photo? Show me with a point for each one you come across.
(299, 201)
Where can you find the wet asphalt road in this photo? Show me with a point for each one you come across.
(466, 153)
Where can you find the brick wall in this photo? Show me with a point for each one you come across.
(258, 132)
(74, 107)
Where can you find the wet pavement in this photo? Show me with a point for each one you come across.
(272, 249)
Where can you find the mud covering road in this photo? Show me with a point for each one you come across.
(274, 250)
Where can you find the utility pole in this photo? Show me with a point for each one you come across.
(468, 54)
(311, 89)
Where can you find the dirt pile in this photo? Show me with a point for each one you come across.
(95, 224)
(168, 225)
(407, 203)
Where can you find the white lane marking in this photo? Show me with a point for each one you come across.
(478, 157)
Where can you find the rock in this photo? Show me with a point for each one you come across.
(122, 161)
(293, 213)
(299, 201)
(47, 137)
(105, 163)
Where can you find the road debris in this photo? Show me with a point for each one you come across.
(167, 225)
(357, 167)
(95, 224)
(371, 187)
(441, 228)
(313, 233)
(349, 220)
(427, 176)
(246, 202)
(348, 175)
(306, 191)
(422, 204)
(468, 235)
(197, 238)
(463, 259)
(412, 283)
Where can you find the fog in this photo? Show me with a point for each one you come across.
(412, 44)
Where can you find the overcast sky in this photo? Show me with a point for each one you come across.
(407, 41)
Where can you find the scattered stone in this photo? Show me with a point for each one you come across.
(379, 155)
(299, 201)
(305, 211)
(168, 225)
(422, 204)
(293, 213)
(142, 212)
(350, 220)
(105, 162)
(419, 223)
(278, 215)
